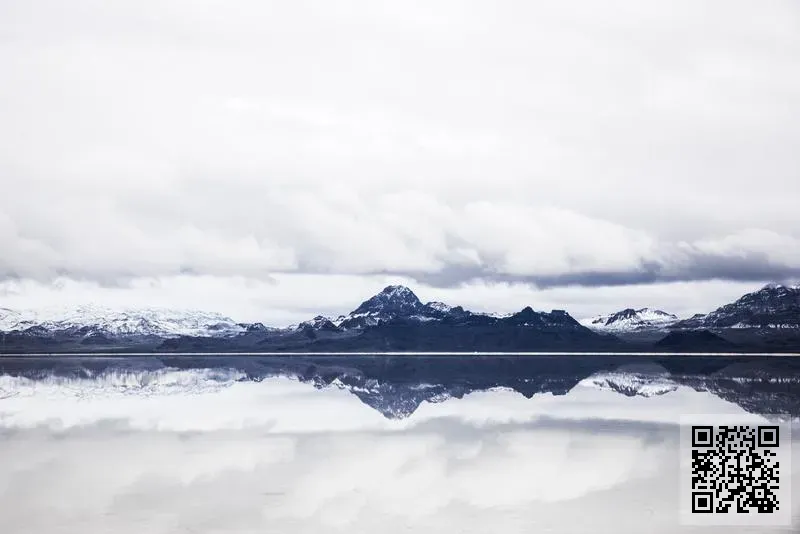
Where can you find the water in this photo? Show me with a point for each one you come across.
(343, 443)
(397, 384)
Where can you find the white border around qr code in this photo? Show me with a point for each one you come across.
(780, 517)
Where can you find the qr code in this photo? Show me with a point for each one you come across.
(737, 470)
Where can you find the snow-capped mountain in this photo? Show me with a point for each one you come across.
(774, 306)
(629, 319)
(393, 300)
(395, 319)
(100, 320)
(440, 307)
(319, 322)
(391, 303)
(12, 320)
(399, 303)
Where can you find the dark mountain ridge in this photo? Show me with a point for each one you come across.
(395, 319)
(772, 306)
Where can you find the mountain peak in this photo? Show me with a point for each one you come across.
(632, 319)
(772, 286)
(439, 306)
(773, 306)
(396, 290)
(392, 300)
(525, 317)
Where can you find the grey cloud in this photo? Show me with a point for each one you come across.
(701, 268)
(440, 271)
(752, 267)
(549, 145)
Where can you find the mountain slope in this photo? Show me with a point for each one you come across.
(774, 306)
(98, 320)
(630, 319)
(391, 303)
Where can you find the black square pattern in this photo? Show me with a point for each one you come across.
(768, 436)
(703, 502)
(702, 436)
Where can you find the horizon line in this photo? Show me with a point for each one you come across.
(388, 353)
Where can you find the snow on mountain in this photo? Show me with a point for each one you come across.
(499, 315)
(630, 319)
(649, 314)
(773, 306)
(122, 322)
(12, 320)
(399, 302)
(439, 306)
(394, 301)
(320, 322)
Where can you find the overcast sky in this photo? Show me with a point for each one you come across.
(273, 159)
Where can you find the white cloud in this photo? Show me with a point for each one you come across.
(525, 142)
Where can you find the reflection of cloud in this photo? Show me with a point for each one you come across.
(487, 463)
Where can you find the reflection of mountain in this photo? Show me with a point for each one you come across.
(397, 386)
(695, 340)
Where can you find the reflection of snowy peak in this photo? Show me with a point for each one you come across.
(99, 320)
(394, 401)
(630, 320)
(630, 384)
(397, 387)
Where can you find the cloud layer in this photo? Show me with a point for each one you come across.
(447, 143)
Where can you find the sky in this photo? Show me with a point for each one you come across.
(180, 452)
(272, 160)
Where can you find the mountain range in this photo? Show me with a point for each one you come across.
(395, 319)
